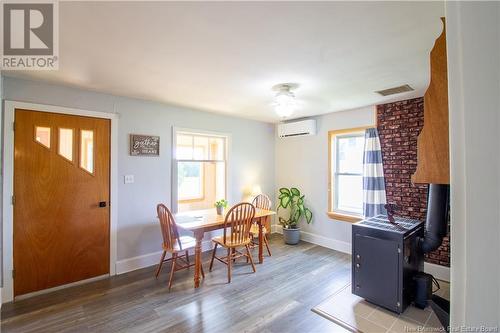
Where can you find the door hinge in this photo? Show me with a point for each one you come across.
(13, 273)
(399, 250)
(14, 126)
(13, 200)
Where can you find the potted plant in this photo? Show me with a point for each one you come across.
(294, 201)
(220, 205)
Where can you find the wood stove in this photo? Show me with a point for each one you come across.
(385, 257)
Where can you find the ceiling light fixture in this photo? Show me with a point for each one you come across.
(284, 102)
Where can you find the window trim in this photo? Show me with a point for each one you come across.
(174, 174)
(332, 213)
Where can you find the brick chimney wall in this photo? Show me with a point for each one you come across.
(398, 125)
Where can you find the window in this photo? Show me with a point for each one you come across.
(190, 179)
(87, 150)
(200, 167)
(346, 174)
(65, 145)
(42, 135)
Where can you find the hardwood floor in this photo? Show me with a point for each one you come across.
(278, 298)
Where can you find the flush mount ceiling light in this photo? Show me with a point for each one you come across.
(284, 102)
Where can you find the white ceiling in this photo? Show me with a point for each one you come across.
(225, 56)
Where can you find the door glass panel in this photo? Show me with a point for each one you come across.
(42, 135)
(66, 143)
(87, 150)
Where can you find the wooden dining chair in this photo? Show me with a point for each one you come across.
(177, 246)
(236, 235)
(261, 201)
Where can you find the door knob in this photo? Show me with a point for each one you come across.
(102, 204)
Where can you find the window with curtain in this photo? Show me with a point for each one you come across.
(200, 166)
(346, 173)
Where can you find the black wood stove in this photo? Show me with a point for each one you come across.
(385, 258)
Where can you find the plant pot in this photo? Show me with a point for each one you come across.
(291, 236)
(220, 210)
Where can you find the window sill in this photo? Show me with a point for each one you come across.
(344, 217)
(188, 201)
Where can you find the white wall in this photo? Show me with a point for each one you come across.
(473, 42)
(251, 155)
(302, 162)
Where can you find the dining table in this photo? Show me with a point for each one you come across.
(201, 221)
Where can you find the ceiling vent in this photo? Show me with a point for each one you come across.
(395, 90)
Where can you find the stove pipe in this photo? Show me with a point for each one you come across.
(436, 223)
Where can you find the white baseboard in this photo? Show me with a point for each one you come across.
(439, 272)
(150, 259)
(329, 243)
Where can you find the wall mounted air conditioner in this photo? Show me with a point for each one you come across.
(297, 128)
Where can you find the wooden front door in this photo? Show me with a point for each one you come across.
(61, 199)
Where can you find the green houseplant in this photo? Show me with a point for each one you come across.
(293, 200)
(220, 205)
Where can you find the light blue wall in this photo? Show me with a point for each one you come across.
(303, 162)
(251, 156)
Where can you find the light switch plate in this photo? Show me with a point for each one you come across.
(128, 179)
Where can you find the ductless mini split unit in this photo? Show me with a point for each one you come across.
(297, 128)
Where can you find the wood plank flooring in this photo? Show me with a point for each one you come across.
(278, 298)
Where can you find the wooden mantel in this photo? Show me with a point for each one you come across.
(433, 157)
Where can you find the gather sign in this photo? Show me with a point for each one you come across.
(144, 145)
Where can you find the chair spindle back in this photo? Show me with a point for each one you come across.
(168, 227)
(262, 201)
(239, 219)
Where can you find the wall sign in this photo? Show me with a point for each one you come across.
(144, 145)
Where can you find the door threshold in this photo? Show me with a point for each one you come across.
(64, 286)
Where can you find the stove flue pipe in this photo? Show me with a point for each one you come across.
(436, 224)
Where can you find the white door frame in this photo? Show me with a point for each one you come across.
(8, 184)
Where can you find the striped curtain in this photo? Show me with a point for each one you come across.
(373, 176)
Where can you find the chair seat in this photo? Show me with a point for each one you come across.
(229, 243)
(255, 229)
(187, 242)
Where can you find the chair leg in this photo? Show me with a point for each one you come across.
(213, 257)
(267, 244)
(250, 257)
(233, 252)
(160, 264)
(187, 256)
(172, 270)
(229, 259)
(202, 272)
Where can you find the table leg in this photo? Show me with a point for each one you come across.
(197, 259)
(261, 240)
